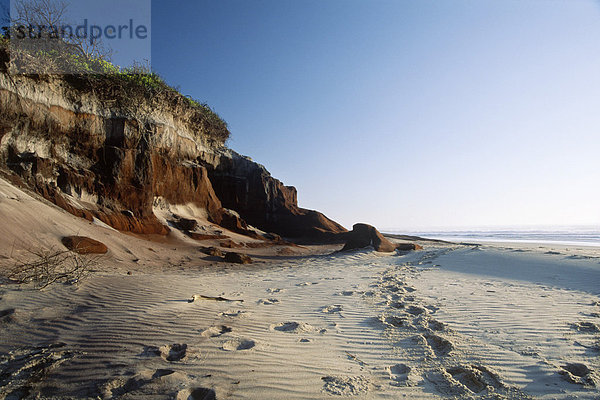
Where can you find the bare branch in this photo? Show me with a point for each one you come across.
(48, 266)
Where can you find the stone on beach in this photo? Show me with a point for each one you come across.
(237, 258)
(84, 245)
(364, 235)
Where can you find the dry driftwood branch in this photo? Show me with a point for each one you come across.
(201, 297)
(47, 266)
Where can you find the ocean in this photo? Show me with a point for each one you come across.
(584, 237)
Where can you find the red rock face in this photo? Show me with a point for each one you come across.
(115, 167)
(265, 202)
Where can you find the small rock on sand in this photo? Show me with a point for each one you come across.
(84, 245)
(237, 258)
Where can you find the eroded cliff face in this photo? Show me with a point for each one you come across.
(96, 160)
(264, 201)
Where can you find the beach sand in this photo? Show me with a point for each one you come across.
(450, 321)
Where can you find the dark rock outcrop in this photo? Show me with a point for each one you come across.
(84, 245)
(408, 247)
(213, 251)
(265, 202)
(363, 235)
(202, 236)
(184, 224)
(230, 244)
(237, 258)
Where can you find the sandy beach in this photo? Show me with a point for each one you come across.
(449, 321)
(271, 199)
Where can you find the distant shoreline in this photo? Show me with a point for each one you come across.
(586, 238)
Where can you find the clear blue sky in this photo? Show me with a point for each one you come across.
(404, 114)
(408, 114)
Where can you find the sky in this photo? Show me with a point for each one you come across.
(405, 114)
(408, 115)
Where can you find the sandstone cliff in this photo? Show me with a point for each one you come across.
(113, 160)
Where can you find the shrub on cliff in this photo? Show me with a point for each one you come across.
(134, 90)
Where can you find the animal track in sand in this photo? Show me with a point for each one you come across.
(346, 385)
(172, 352)
(238, 344)
(215, 331)
(579, 374)
(267, 302)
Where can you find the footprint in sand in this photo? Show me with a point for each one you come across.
(232, 313)
(586, 327)
(294, 327)
(336, 308)
(476, 378)
(432, 309)
(579, 374)
(307, 283)
(215, 331)
(159, 373)
(438, 344)
(238, 344)
(267, 302)
(395, 321)
(7, 315)
(172, 352)
(275, 290)
(346, 385)
(445, 383)
(416, 310)
(396, 304)
(403, 375)
(22, 367)
(197, 394)
(436, 325)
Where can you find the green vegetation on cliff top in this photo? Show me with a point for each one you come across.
(121, 88)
